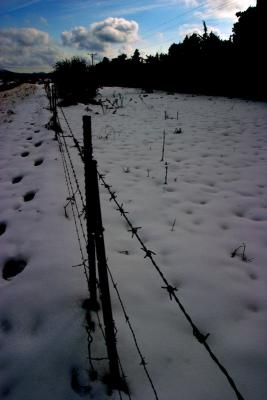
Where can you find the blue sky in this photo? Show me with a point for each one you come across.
(34, 34)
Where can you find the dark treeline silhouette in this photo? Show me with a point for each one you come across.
(201, 63)
(75, 81)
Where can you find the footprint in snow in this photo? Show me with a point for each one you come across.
(5, 325)
(13, 267)
(37, 144)
(17, 179)
(2, 228)
(25, 154)
(29, 196)
(39, 161)
(253, 307)
(6, 390)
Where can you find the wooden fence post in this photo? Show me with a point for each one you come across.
(94, 217)
(116, 381)
(89, 209)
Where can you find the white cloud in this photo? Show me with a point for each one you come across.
(138, 9)
(82, 38)
(27, 47)
(24, 36)
(115, 30)
(225, 9)
(102, 35)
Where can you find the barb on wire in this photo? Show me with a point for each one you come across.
(83, 264)
(149, 253)
(199, 336)
(133, 229)
(121, 209)
(170, 289)
(202, 339)
(113, 196)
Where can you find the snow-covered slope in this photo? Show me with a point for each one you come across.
(213, 202)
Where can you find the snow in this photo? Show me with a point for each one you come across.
(215, 200)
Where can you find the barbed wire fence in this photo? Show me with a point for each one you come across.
(74, 191)
(78, 204)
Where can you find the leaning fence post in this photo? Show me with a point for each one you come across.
(115, 381)
(89, 209)
(96, 246)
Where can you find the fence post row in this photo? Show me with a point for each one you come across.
(96, 244)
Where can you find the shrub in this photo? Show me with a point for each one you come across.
(75, 81)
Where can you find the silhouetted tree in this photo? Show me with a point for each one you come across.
(75, 80)
(136, 57)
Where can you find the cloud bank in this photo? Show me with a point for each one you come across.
(32, 48)
(28, 47)
(101, 35)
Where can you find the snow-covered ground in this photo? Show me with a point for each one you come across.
(215, 199)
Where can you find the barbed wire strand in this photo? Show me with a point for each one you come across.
(78, 190)
(72, 167)
(75, 140)
(72, 201)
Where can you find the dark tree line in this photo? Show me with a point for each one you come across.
(201, 63)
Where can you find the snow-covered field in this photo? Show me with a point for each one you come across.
(215, 199)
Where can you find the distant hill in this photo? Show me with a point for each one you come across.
(9, 79)
(21, 76)
(4, 73)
